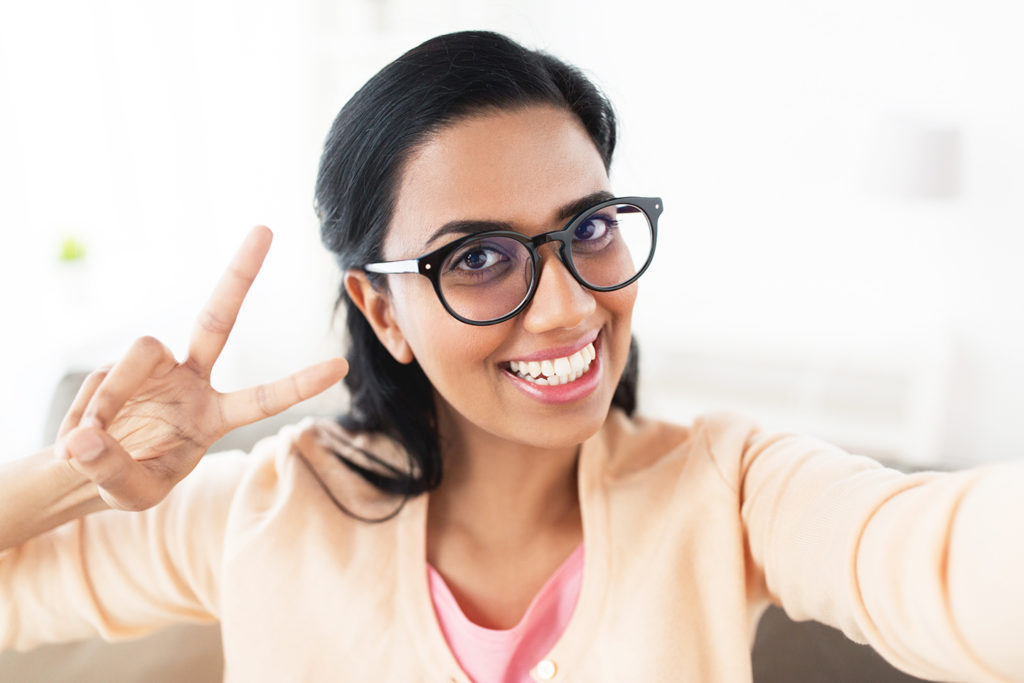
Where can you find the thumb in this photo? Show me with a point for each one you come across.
(82, 445)
(124, 482)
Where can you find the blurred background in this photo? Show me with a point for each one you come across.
(840, 253)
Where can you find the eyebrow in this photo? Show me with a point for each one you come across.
(565, 212)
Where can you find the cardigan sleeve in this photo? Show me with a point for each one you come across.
(927, 568)
(122, 574)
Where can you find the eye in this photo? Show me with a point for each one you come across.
(595, 234)
(594, 228)
(478, 258)
(486, 260)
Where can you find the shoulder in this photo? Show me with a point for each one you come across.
(638, 443)
(721, 429)
(305, 463)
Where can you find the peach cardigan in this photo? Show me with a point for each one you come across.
(689, 533)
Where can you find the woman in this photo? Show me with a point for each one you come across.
(489, 275)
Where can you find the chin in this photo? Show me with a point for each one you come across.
(563, 429)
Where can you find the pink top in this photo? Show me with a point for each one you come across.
(507, 656)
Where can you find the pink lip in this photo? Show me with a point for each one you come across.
(558, 351)
(562, 393)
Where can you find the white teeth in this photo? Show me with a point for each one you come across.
(555, 371)
(576, 362)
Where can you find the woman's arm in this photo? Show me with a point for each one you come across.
(133, 433)
(40, 493)
(948, 557)
(923, 567)
(123, 574)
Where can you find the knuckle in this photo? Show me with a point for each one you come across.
(194, 365)
(263, 400)
(97, 375)
(239, 274)
(152, 347)
(102, 402)
(214, 323)
(148, 344)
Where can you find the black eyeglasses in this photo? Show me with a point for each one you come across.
(489, 277)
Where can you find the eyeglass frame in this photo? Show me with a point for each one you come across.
(429, 264)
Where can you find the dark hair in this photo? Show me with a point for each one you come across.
(393, 114)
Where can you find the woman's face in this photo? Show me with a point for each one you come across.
(523, 168)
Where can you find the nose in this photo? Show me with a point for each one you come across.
(560, 301)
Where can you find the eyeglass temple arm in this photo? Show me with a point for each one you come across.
(407, 266)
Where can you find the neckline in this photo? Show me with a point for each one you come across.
(556, 578)
(414, 599)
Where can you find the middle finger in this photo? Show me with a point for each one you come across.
(146, 357)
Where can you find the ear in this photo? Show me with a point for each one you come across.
(376, 308)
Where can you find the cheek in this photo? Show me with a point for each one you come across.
(619, 303)
(443, 346)
(458, 361)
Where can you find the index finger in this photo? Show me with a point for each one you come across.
(218, 316)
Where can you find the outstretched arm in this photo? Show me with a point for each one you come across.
(925, 567)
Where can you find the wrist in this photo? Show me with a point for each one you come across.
(41, 493)
(76, 491)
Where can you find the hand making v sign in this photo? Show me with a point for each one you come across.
(139, 427)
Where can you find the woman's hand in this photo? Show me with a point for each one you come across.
(137, 428)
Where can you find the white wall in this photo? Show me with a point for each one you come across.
(839, 252)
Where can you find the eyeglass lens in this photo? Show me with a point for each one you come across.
(488, 278)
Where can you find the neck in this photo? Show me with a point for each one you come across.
(502, 496)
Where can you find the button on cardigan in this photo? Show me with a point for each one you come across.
(690, 531)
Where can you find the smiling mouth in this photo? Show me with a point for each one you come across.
(555, 371)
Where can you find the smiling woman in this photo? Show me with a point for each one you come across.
(490, 508)
(531, 151)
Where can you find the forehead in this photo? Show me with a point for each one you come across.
(519, 167)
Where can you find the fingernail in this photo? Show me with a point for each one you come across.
(84, 446)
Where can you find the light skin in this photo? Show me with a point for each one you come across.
(507, 511)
